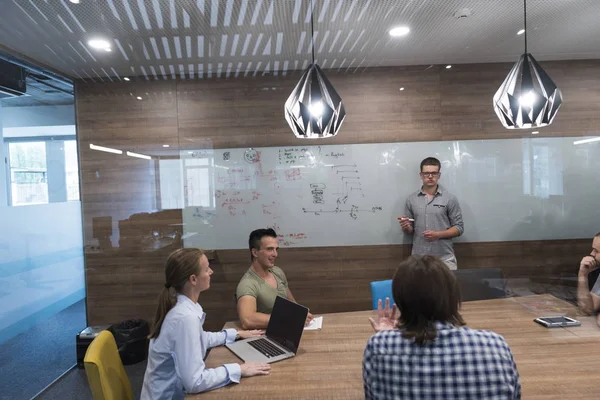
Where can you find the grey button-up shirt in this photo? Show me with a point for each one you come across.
(438, 214)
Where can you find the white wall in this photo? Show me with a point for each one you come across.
(32, 131)
(39, 116)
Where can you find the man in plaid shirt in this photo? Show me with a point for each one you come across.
(427, 352)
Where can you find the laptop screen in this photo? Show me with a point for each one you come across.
(287, 323)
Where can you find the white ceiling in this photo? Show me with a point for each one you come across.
(166, 39)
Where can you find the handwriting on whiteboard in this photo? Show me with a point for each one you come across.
(295, 155)
(353, 211)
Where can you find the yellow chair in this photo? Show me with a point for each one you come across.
(104, 369)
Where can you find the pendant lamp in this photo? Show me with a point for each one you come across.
(528, 98)
(314, 109)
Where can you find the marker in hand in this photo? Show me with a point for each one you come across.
(405, 219)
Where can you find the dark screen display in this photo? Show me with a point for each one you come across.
(287, 323)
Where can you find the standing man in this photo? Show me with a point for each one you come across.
(589, 300)
(435, 214)
(263, 282)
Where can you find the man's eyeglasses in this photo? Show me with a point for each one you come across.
(432, 174)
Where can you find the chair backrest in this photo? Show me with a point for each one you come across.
(480, 283)
(104, 369)
(381, 290)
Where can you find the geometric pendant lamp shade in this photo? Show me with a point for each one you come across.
(528, 98)
(314, 109)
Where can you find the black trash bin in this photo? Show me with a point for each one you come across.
(132, 340)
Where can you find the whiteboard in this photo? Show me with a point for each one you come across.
(345, 195)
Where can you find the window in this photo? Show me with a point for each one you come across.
(186, 182)
(28, 173)
(542, 168)
(71, 170)
(199, 188)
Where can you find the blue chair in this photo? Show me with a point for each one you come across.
(381, 290)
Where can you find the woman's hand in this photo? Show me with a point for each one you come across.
(309, 318)
(253, 369)
(386, 317)
(250, 334)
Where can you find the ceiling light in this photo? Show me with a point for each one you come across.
(448, 66)
(105, 149)
(139, 97)
(527, 98)
(314, 109)
(462, 13)
(399, 31)
(535, 132)
(522, 31)
(401, 89)
(74, 1)
(100, 44)
(138, 155)
(595, 139)
(126, 79)
(166, 145)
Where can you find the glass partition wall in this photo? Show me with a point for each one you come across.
(42, 285)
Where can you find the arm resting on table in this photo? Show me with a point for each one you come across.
(249, 317)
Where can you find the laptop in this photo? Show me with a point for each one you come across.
(282, 338)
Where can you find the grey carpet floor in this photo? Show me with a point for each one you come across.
(35, 358)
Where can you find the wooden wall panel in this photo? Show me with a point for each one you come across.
(126, 251)
(249, 112)
(467, 92)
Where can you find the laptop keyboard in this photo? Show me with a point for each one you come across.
(266, 348)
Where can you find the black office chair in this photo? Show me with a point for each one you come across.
(481, 284)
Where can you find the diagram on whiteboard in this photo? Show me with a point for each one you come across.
(349, 187)
(291, 189)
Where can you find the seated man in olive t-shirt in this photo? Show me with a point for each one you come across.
(262, 283)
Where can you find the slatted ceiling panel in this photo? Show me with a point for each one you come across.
(168, 39)
(41, 94)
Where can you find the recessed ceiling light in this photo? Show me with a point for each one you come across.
(522, 31)
(100, 44)
(535, 132)
(401, 89)
(594, 139)
(399, 31)
(106, 149)
(138, 155)
(166, 145)
(139, 97)
(462, 13)
(126, 79)
(448, 66)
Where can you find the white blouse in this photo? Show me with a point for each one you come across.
(176, 356)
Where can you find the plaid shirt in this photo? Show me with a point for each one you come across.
(461, 363)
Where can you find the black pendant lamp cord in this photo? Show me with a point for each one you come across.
(312, 32)
(524, 27)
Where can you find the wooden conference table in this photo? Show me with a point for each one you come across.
(560, 363)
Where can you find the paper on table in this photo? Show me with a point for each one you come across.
(315, 324)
